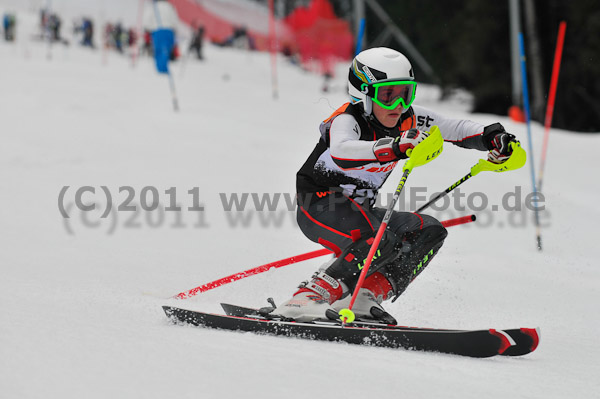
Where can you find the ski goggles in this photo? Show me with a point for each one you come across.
(389, 95)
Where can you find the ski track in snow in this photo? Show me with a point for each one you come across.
(81, 312)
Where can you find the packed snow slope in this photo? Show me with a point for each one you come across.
(81, 296)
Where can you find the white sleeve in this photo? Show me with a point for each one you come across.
(345, 143)
(462, 132)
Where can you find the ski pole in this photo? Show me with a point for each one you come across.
(423, 153)
(516, 161)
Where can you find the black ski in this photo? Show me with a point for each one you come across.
(476, 343)
(526, 339)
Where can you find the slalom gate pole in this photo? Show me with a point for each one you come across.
(251, 272)
(103, 39)
(183, 63)
(273, 49)
(460, 220)
(171, 81)
(423, 153)
(285, 262)
(528, 119)
(47, 30)
(173, 92)
(552, 96)
(184, 60)
(139, 32)
(359, 38)
(516, 161)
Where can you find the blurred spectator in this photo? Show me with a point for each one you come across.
(88, 33)
(147, 45)
(44, 22)
(131, 37)
(86, 27)
(197, 40)
(327, 76)
(9, 23)
(238, 39)
(108, 36)
(291, 54)
(54, 25)
(117, 36)
(50, 25)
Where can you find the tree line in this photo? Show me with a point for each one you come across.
(467, 42)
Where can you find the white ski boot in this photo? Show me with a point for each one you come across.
(376, 288)
(312, 301)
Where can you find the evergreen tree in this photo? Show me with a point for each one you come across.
(468, 45)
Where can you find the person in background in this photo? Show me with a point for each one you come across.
(197, 41)
(87, 28)
(9, 23)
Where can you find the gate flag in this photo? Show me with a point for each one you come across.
(163, 41)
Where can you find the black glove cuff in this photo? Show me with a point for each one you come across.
(396, 149)
(489, 132)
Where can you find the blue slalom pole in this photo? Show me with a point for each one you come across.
(359, 38)
(160, 33)
(530, 155)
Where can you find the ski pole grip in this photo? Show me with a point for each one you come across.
(426, 151)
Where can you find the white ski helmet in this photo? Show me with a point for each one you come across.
(378, 64)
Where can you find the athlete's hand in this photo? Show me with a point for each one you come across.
(389, 149)
(501, 149)
(498, 141)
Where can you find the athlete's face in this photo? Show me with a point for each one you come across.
(387, 117)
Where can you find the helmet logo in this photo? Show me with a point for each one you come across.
(369, 73)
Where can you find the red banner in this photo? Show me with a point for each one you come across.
(314, 32)
(320, 36)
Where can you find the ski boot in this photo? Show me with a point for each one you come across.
(312, 301)
(367, 307)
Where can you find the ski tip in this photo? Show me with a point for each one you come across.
(506, 340)
(534, 334)
(169, 311)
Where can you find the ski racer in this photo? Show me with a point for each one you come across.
(360, 144)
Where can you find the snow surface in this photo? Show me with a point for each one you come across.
(81, 298)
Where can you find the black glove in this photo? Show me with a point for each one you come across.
(498, 140)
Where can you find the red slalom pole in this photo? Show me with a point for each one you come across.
(140, 35)
(273, 49)
(251, 272)
(460, 220)
(552, 96)
(285, 262)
